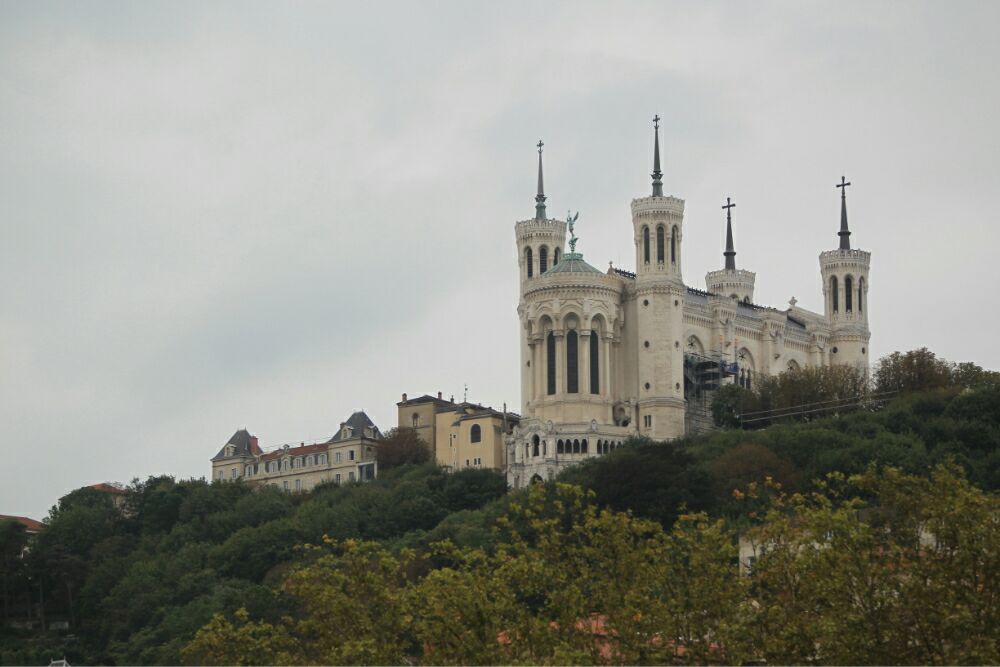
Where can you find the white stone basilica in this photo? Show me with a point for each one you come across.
(609, 355)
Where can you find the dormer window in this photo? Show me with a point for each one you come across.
(230, 450)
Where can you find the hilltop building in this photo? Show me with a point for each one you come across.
(606, 355)
(346, 457)
(461, 435)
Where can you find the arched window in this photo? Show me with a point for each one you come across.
(535, 442)
(595, 369)
(475, 433)
(848, 294)
(555, 256)
(528, 262)
(550, 353)
(572, 363)
(673, 245)
(309, 460)
(249, 471)
(415, 420)
(660, 240)
(834, 294)
(861, 292)
(559, 447)
(645, 244)
(284, 464)
(543, 260)
(576, 446)
(583, 446)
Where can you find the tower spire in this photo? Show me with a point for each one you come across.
(540, 197)
(844, 233)
(657, 174)
(730, 253)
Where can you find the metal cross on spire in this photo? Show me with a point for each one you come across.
(844, 233)
(730, 253)
(540, 197)
(657, 174)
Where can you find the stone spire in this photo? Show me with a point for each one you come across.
(657, 174)
(844, 233)
(730, 253)
(540, 197)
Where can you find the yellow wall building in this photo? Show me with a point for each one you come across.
(461, 435)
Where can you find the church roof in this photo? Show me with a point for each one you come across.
(572, 262)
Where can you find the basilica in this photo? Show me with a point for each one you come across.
(608, 355)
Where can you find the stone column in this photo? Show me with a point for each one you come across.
(560, 363)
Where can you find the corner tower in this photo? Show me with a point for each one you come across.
(540, 241)
(658, 224)
(730, 281)
(845, 294)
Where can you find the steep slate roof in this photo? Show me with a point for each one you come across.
(30, 525)
(358, 421)
(572, 262)
(246, 445)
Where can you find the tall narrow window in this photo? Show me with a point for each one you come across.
(834, 294)
(535, 442)
(848, 294)
(550, 359)
(529, 262)
(673, 245)
(572, 363)
(543, 260)
(645, 245)
(595, 369)
(475, 433)
(861, 293)
(660, 240)
(555, 257)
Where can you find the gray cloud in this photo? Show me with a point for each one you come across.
(267, 216)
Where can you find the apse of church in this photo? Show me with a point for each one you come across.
(606, 355)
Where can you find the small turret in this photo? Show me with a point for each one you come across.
(845, 294)
(730, 281)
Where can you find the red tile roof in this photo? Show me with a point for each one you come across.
(295, 451)
(29, 524)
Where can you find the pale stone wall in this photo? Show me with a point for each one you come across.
(647, 323)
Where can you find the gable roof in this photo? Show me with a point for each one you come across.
(358, 422)
(246, 445)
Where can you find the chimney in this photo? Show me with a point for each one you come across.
(439, 395)
(404, 397)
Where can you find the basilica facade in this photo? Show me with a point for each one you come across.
(607, 355)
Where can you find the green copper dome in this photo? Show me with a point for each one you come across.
(572, 262)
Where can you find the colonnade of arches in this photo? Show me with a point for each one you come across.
(573, 360)
(543, 260)
(849, 294)
(538, 447)
(661, 231)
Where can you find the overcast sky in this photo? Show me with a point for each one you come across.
(272, 214)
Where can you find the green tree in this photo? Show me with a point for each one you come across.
(401, 446)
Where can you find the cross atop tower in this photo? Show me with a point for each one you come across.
(730, 253)
(540, 197)
(844, 233)
(657, 174)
